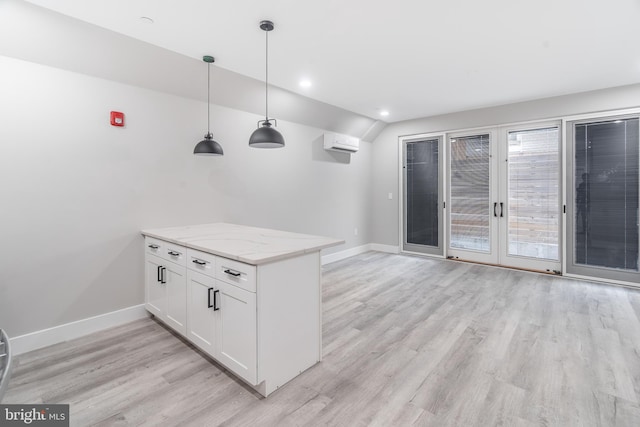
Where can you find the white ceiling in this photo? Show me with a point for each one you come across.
(415, 58)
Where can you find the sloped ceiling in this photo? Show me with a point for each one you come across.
(413, 58)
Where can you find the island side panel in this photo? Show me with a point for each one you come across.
(289, 329)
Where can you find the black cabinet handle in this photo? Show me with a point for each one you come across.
(197, 261)
(215, 300)
(159, 277)
(163, 279)
(209, 304)
(174, 253)
(501, 209)
(154, 246)
(495, 205)
(233, 273)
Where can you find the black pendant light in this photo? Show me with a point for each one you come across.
(266, 136)
(208, 147)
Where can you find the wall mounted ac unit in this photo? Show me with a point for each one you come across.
(339, 142)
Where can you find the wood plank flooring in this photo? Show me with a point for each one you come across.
(407, 341)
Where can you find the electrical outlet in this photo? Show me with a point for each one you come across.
(355, 231)
(390, 196)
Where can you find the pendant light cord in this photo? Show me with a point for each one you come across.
(266, 78)
(208, 95)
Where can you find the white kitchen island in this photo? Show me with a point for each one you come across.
(249, 297)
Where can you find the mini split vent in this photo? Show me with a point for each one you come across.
(341, 143)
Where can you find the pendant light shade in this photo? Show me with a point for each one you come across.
(266, 136)
(208, 147)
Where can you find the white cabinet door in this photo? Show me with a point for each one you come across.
(176, 283)
(155, 290)
(237, 340)
(201, 321)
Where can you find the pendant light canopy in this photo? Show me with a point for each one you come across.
(266, 136)
(208, 147)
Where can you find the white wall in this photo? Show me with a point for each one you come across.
(385, 221)
(75, 191)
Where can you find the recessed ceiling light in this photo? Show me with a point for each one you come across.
(146, 20)
(305, 83)
(384, 113)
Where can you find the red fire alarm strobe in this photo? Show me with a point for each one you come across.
(117, 118)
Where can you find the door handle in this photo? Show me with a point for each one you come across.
(495, 206)
(501, 209)
(215, 300)
(163, 279)
(197, 261)
(154, 246)
(159, 273)
(174, 253)
(209, 303)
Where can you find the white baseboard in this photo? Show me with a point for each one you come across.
(69, 331)
(337, 256)
(391, 249)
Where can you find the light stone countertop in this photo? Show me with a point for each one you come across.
(250, 245)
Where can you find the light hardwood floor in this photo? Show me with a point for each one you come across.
(407, 341)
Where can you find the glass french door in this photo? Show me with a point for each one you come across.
(531, 173)
(472, 197)
(423, 199)
(504, 196)
(602, 210)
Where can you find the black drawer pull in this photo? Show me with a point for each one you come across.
(197, 261)
(215, 300)
(209, 303)
(174, 253)
(159, 273)
(154, 246)
(163, 279)
(233, 273)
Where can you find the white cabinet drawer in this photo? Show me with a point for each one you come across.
(201, 262)
(237, 273)
(174, 253)
(153, 246)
